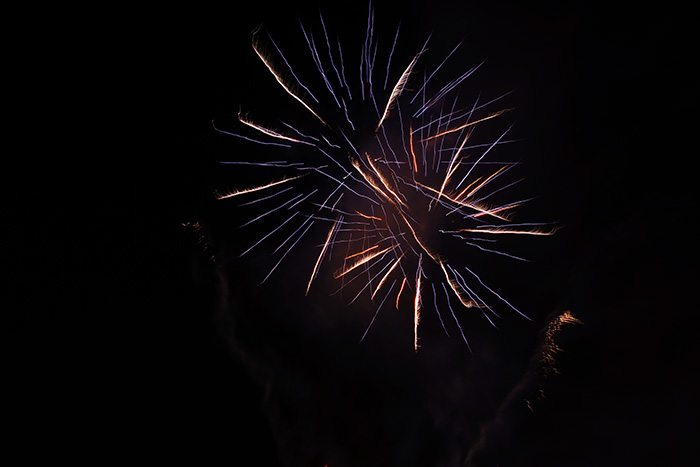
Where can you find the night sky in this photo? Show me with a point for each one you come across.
(231, 373)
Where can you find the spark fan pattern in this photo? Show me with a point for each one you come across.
(393, 171)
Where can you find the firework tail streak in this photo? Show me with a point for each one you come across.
(395, 191)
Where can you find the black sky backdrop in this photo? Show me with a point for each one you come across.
(603, 97)
(218, 370)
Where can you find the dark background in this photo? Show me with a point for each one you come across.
(605, 95)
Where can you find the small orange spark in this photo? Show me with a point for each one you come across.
(320, 256)
(384, 181)
(475, 206)
(361, 261)
(416, 306)
(454, 286)
(398, 88)
(529, 406)
(492, 212)
(362, 252)
(410, 145)
(262, 187)
(471, 193)
(507, 230)
(368, 217)
(371, 181)
(461, 195)
(398, 296)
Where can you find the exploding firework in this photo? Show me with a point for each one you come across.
(390, 165)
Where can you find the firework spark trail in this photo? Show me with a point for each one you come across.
(425, 83)
(267, 143)
(379, 308)
(398, 88)
(490, 250)
(408, 177)
(371, 280)
(268, 234)
(251, 190)
(364, 259)
(449, 305)
(320, 256)
(381, 282)
(330, 54)
(281, 81)
(290, 248)
(317, 59)
(391, 54)
(290, 68)
(278, 164)
(437, 309)
(449, 87)
(300, 133)
(417, 303)
(265, 198)
(273, 209)
(342, 71)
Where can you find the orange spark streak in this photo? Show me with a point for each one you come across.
(267, 131)
(464, 191)
(410, 144)
(282, 83)
(476, 207)
(471, 193)
(381, 282)
(361, 261)
(453, 285)
(416, 308)
(506, 230)
(320, 256)
(492, 212)
(362, 252)
(398, 88)
(398, 297)
(371, 181)
(493, 115)
(250, 190)
(368, 217)
(384, 181)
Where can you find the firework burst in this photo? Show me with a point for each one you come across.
(392, 167)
